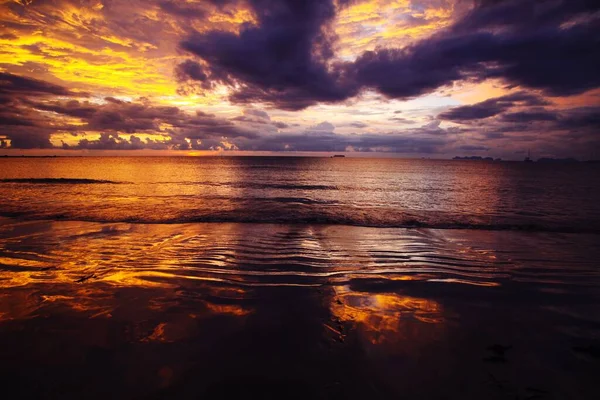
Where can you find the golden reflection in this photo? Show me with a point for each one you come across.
(86, 271)
(228, 309)
(98, 300)
(379, 316)
(38, 300)
(158, 335)
(138, 278)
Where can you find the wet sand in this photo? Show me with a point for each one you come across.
(92, 310)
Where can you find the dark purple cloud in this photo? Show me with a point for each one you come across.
(185, 10)
(581, 118)
(504, 121)
(11, 84)
(191, 70)
(491, 107)
(512, 113)
(284, 60)
(72, 108)
(24, 127)
(525, 42)
(287, 59)
(529, 116)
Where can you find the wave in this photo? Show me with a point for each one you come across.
(299, 200)
(257, 185)
(286, 186)
(233, 184)
(53, 181)
(359, 220)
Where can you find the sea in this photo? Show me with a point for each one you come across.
(294, 190)
(299, 277)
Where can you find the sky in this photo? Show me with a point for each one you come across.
(410, 78)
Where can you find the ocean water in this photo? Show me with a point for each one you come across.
(340, 191)
(298, 278)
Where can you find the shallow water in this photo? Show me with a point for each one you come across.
(210, 310)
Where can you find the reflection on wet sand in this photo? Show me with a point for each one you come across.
(380, 316)
(202, 310)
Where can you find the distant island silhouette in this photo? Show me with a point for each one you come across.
(543, 160)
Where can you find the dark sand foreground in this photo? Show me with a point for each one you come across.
(92, 310)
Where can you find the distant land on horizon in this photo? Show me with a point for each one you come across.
(540, 160)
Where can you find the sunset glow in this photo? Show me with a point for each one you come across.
(430, 78)
(299, 199)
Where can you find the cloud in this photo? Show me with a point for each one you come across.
(289, 54)
(28, 125)
(287, 58)
(530, 116)
(260, 114)
(23, 126)
(432, 127)
(109, 141)
(324, 126)
(508, 121)
(582, 117)
(402, 120)
(281, 125)
(522, 111)
(184, 10)
(124, 122)
(11, 84)
(192, 70)
(255, 116)
(284, 60)
(491, 107)
(524, 42)
(331, 142)
(468, 147)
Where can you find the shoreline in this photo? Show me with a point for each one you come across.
(526, 228)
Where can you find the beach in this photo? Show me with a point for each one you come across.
(298, 278)
(300, 311)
